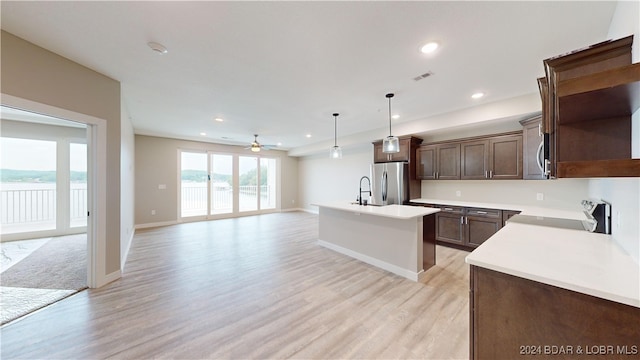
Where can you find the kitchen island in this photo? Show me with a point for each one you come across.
(396, 238)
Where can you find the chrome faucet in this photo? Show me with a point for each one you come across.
(369, 191)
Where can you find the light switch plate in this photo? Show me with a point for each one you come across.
(539, 196)
(162, 186)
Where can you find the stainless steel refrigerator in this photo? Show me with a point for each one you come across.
(389, 183)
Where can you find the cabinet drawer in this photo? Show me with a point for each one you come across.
(490, 213)
(451, 209)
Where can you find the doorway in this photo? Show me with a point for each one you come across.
(43, 197)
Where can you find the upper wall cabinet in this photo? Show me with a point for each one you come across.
(590, 97)
(488, 157)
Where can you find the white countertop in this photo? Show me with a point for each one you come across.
(391, 211)
(525, 209)
(576, 260)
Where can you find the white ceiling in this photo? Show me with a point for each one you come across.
(280, 69)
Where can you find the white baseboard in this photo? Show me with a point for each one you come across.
(157, 224)
(110, 278)
(299, 209)
(413, 276)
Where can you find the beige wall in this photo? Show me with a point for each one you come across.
(157, 163)
(36, 74)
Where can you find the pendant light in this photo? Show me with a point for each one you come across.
(391, 144)
(336, 151)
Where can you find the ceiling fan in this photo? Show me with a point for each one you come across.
(256, 146)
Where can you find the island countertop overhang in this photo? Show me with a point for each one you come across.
(395, 211)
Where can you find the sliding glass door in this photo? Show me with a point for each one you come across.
(221, 191)
(221, 185)
(193, 184)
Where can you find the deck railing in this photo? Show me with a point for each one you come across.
(24, 206)
(194, 197)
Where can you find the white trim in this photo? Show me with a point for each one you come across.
(112, 277)
(294, 209)
(156, 224)
(373, 261)
(311, 211)
(125, 252)
(97, 169)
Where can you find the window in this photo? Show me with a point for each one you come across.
(193, 184)
(29, 189)
(221, 184)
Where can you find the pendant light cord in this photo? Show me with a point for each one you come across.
(389, 96)
(335, 130)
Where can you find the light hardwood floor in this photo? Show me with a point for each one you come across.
(252, 288)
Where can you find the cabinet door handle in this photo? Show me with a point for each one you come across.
(486, 174)
(540, 130)
(461, 220)
(490, 174)
(448, 209)
(437, 174)
(481, 212)
(466, 220)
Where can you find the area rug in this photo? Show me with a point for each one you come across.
(17, 302)
(55, 270)
(61, 263)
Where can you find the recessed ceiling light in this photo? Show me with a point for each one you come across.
(477, 95)
(396, 117)
(219, 119)
(159, 48)
(279, 144)
(429, 47)
(308, 135)
(203, 133)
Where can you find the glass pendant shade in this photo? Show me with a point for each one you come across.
(390, 144)
(335, 152)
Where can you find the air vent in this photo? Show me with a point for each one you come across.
(423, 76)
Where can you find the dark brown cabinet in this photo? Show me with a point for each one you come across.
(474, 160)
(467, 227)
(488, 157)
(532, 149)
(481, 224)
(438, 162)
(588, 102)
(505, 157)
(513, 318)
(450, 225)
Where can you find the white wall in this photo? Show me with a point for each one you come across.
(561, 194)
(127, 185)
(624, 194)
(322, 179)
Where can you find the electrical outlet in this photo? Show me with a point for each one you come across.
(539, 196)
(162, 186)
(618, 219)
(293, 201)
(153, 212)
(458, 193)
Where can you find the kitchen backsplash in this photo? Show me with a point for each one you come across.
(564, 194)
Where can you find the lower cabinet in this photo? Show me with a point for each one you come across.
(515, 318)
(467, 227)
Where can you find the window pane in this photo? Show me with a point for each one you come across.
(221, 184)
(248, 191)
(193, 184)
(78, 185)
(28, 193)
(267, 183)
